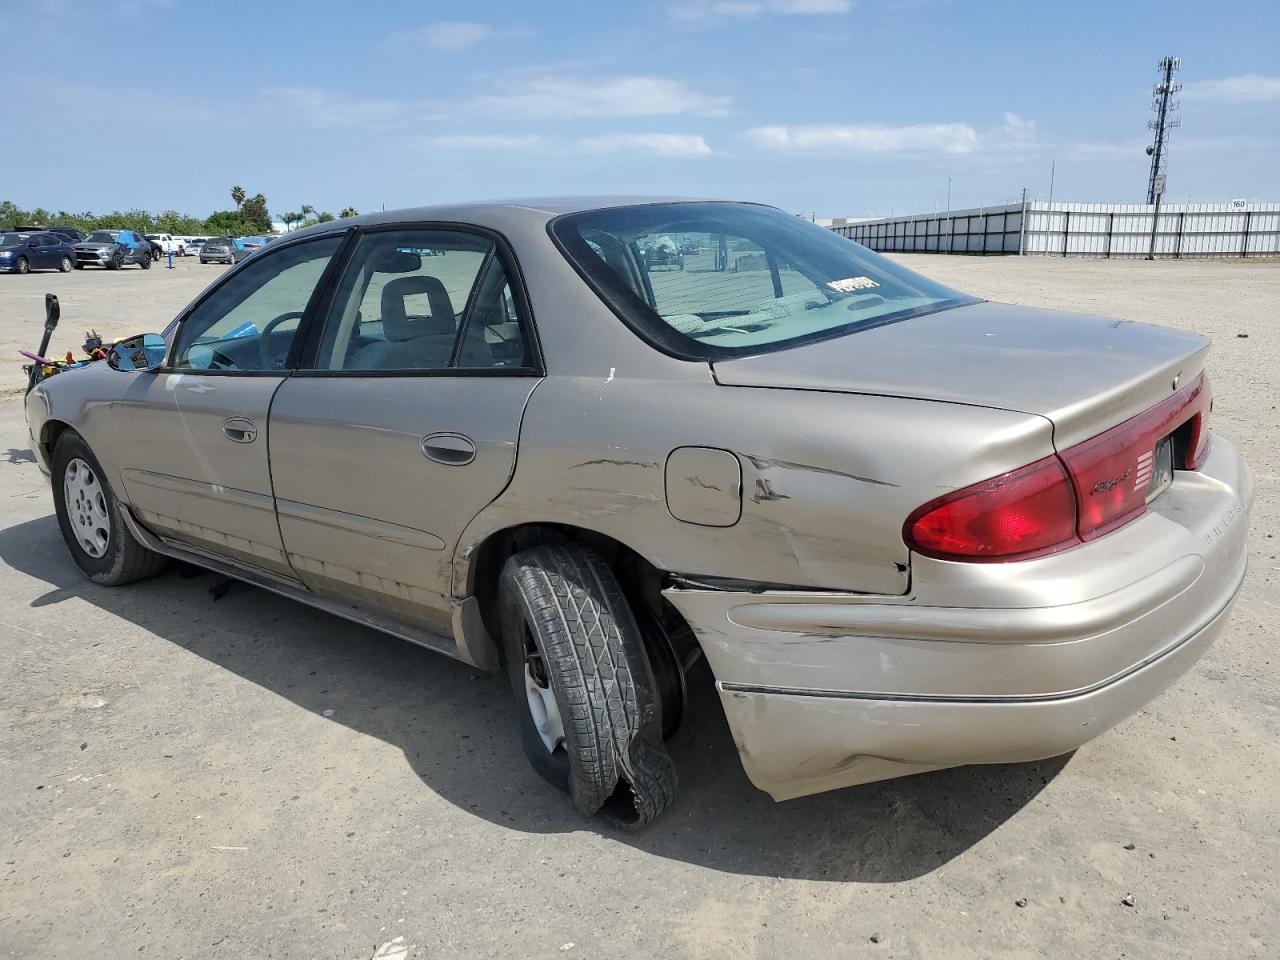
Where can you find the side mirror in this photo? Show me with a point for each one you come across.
(143, 352)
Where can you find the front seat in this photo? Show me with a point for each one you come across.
(413, 342)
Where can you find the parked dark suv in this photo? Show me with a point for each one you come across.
(223, 250)
(69, 234)
(23, 252)
(113, 249)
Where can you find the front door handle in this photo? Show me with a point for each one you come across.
(452, 449)
(240, 429)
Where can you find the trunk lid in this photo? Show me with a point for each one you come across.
(1083, 373)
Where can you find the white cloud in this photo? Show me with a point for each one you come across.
(560, 95)
(1016, 129)
(740, 9)
(451, 34)
(864, 138)
(1246, 88)
(489, 141)
(658, 144)
(671, 145)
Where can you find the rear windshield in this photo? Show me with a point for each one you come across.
(714, 280)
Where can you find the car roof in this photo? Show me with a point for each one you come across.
(494, 213)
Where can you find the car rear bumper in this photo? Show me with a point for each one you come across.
(978, 663)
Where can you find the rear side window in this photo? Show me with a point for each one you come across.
(424, 300)
(717, 280)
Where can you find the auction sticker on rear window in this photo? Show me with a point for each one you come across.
(850, 284)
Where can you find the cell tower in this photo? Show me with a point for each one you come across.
(1163, 106)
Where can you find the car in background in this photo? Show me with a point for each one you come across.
(23, 252)
(169, 243)
(113, 249)
(70, 234)
(194, 245)
(223, 250)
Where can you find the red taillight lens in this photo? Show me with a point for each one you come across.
(1054, 503)
(1023, 514)
(1112, 471)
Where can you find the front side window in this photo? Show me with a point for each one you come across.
(709, 280)
(415, 300)
(249, 323)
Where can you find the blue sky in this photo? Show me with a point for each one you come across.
(843, 107)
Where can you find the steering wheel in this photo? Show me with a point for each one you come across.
(265, 359)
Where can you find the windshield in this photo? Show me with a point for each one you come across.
(708, 280)
(12, 239)
(102, 236)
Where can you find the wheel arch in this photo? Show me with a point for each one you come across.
(50, 431)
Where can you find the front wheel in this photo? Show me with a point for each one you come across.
(23, 265)
(590, 721)
(91, 518)
(64, 265)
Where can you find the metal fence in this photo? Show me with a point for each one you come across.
(1102, 230)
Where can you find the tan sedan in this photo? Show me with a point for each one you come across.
(906, 529)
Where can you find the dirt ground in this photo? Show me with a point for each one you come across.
(244, 777)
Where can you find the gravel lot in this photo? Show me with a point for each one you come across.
(244, 777)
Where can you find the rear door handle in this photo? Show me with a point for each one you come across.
(452, 449)
(240, 429)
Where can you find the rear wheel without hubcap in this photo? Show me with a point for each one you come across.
(590, 721)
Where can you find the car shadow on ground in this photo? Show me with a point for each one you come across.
(457, 729)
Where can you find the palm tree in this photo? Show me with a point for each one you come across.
(324, 216)
(238, 195)
(290, 219)
(349, 212)
(308, 210)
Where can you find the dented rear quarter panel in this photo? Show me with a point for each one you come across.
(827, 479)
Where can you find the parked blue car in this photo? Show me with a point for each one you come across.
(24, 252)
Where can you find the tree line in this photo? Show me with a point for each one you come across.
(249, 218)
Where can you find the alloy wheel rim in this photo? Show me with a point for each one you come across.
(86, 504)
(542, 703)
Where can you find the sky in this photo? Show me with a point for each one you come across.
(830, 107)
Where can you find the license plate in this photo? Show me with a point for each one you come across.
(1159, 467)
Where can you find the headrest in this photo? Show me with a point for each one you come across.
(396, 324)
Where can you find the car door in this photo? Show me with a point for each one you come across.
(193, 437)
(403, 421)
(39, 252)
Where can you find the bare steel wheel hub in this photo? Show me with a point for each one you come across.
(86, 505)
(542, 702)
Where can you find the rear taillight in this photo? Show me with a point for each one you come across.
(1112, 471)
(1023, 514)
(1059, 502)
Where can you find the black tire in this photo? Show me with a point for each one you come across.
(145, 263)
(64, 265)
(124, 559)
(79, 265)
(116, 262)
(566, 621)
(23, 265)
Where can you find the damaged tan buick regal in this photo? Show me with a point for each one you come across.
(592, 442)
